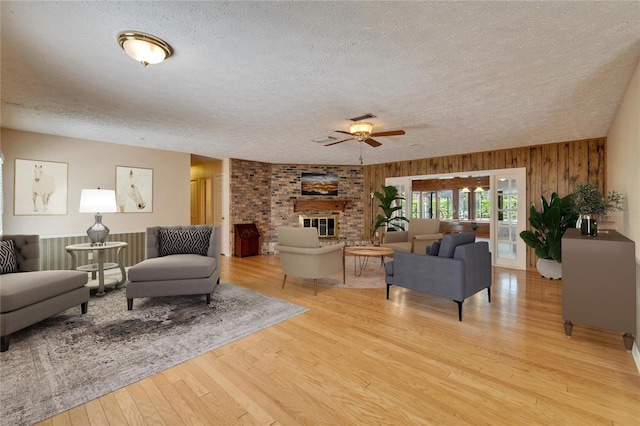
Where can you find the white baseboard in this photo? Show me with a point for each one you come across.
(635, 352)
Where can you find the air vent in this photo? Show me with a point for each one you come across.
(324, 139)
(363, 117)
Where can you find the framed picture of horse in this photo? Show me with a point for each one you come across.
(134, 189)
(40, 187)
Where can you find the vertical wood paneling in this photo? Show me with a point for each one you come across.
(578, 163)
(550, 168)
(596, 164)
(563, 169)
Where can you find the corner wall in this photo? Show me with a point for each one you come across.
(90, 165)
(263, 194)
(623, 175)
(554, 167)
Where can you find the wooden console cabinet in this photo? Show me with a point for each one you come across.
(599, 282)
(246, 239)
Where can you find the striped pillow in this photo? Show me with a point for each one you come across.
(8, 260)
(183, 241)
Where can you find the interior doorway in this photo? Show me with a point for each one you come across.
(500, 208)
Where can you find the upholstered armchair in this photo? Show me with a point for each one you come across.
(302, 256)
(421, 233)
(29, 295)
(459, 269)
(180, 260)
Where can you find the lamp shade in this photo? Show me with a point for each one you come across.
(361, 128)
(144, 48)
(98, 201)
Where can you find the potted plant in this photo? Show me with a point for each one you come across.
(549, 224)
(390, 203)
(590, 204)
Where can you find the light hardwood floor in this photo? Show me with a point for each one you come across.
(356, 358)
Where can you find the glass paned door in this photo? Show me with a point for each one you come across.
(508, 248)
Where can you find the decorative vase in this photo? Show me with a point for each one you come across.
(588, 225)
(549, 268)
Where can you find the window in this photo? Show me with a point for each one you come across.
(483, 205)
(463, 205)
(445, 204)
(423, 204)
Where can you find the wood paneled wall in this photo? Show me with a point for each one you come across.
(555, 167)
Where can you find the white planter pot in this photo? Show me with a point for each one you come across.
(549, 268)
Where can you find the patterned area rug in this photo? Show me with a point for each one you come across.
(71, 358)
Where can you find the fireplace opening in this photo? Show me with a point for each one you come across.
(327, 226)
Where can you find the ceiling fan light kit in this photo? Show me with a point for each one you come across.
(361, 130)
(144, 48)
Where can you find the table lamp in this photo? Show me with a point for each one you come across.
(98, 201)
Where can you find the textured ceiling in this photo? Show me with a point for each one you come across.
(260, 80)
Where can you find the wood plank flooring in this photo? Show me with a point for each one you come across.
(356, 358)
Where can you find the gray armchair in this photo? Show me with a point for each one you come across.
(29, 295)
(180, 260)
(302, 256)
(461, 268)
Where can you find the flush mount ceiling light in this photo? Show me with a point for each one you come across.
(361, 130)
(144, 48)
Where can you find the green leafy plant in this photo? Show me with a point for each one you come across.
(390, 202)
(588, 200)
(550, 224)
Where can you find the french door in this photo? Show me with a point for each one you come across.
(508, 217)
(508, 212)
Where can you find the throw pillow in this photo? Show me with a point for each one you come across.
(183, 241)
(8, 260)
(434, 249)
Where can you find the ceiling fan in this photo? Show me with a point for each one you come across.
(362, 132)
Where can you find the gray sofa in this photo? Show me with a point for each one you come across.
(461, 268)
(30, 295)
(180, 260)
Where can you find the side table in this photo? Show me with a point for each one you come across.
(100, 266)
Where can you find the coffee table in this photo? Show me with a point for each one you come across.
(362, 254)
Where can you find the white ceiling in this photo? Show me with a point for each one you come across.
(260, 80)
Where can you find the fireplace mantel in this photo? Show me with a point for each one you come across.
(319, 204)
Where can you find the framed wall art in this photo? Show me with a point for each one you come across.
(318, 184)
(134, 189)
(40, 187)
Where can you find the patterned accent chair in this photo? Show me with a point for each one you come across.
(302, 256)
(180, 260)
(29, 295)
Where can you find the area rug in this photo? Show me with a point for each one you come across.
(71, 358)
(372, 275)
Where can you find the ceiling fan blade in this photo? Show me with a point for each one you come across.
(333, 143)
(389, 133)
(342, 131)
(372, 142)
